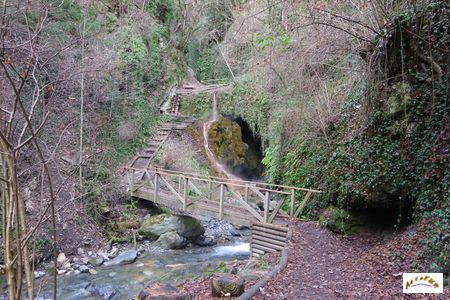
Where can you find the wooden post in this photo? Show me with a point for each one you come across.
(266, 208)
(131, 182)
(210, 188)
(222, 195)
(155, 198)
(180, 179)
(292, 202)
(246, 194)
(185, 193)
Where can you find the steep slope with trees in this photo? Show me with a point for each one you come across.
(348, 97)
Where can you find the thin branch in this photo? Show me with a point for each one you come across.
(348, 20)
(33, 135)
(335, 27)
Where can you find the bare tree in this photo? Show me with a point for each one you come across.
(20, 125)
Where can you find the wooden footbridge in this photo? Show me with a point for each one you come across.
(260, 206)
(237, 201)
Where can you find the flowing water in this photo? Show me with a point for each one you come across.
(125, 282)
(212, 158)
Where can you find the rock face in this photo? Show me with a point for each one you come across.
(123, 258)
(189, 227)
(166, 292)
(154, 226)
(171, 240)
(225, 140)
(227, 285)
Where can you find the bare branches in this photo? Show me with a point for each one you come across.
(348, 19)
(361, 38)
(17, 73)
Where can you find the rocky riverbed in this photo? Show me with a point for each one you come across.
(168, 249)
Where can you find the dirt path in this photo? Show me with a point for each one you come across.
(327, 266)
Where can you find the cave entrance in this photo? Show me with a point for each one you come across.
(382, 220)
(252, 169)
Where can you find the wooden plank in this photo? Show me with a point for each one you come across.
(257, 251)
(276, 210)
(246, 194)
(267, 245)
(214, 209)
(256, 191)
(227, 181)
(263, 248)
(270, 236)
(271, 226)
(185, 193)
(268, 240)
(222, 195)
(242, 182)
(156, 188)
(303, 204)
(172, 189)
(196, 189)
(292, 203)
(250, 209)
(210, 190)
(267, 230)
(266, 208)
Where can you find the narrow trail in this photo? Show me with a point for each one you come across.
(323, 265)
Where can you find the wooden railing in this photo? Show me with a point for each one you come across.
(238, 195)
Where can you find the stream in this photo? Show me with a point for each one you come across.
(126, 281)
(174, 266)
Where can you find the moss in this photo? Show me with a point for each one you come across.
(225, 140)
(338, 220)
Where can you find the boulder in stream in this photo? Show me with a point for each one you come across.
(166, 292)
(171, 240)
(227, 285)
(154, 226)
(96, 261)
(105, 291)
(123, 258)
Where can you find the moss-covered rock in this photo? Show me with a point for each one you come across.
(225, 141)
(227, 285)
(339, 220)
(171, 240)
(188, 227)
(154, 226)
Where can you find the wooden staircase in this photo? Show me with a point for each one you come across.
(145, 157)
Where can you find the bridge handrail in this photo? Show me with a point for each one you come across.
(235, 182)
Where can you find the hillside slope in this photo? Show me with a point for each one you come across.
(351, 98)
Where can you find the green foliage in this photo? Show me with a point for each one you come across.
(66, 17)
(132, 204)
(163, 10)
(278, 39)
(198, 105)
(397, 157)
(206, 62)
(253, 105)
